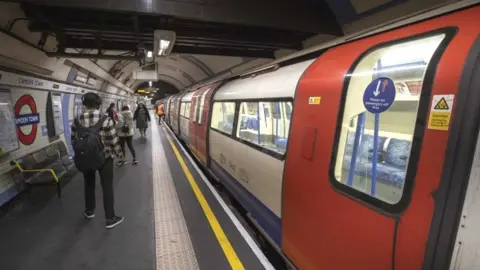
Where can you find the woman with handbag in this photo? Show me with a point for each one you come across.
(142, 117)
(125, 134)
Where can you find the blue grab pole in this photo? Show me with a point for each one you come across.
(375, 156)
(356, 142)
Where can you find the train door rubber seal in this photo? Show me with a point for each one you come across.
(449, 197)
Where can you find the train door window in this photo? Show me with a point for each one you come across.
(195, 109)
(202, 104)
(263, 124)
(223, 115)
(182, 109)
(187, 110)
(172, 106)
(379, 170)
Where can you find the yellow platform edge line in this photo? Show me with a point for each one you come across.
(227, 248)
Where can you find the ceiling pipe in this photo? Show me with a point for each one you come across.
(93, 56)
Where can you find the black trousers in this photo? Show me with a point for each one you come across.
(129, 141)
(106, 179)
(160, 117)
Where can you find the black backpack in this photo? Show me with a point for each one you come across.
(88, 147)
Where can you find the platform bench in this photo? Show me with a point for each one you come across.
(46, 166)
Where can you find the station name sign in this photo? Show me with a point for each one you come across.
(9, 78)
(30, 82)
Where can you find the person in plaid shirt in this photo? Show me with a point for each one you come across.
(112, 149)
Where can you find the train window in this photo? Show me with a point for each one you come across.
(288, 110)
(172, 107)
(182, 109)
(187, 110)
(195, 109)
(223, 114)
(264, 124)
(394, 75)
(202, 104)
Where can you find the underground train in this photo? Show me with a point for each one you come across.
(356, 155)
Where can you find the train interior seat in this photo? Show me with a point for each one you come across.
(392, 159)
(281, 142)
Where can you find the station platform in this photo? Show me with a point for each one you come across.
(174, 219)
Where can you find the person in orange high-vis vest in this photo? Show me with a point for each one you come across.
(160, 113)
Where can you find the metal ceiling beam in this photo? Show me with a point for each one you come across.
(92, 56)
(148, 42)
(245, 51)
(201, 29)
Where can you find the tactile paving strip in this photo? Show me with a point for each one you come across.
(174, 248)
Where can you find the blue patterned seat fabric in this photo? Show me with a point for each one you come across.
(282, 142)
(391, 162)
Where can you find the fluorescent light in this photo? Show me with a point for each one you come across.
(163, 47)
(150, 83)
(164, 41)
(81, 79)
(149, 54)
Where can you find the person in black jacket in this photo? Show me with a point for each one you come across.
(141, 118)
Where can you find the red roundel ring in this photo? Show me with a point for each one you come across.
(26, 100)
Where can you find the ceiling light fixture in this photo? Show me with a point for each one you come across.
(164, 41)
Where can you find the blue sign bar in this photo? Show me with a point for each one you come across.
(377, 98)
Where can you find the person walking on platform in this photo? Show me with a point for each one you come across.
(112, 113)
(95, 144)
(126, 132)
(142, 117)
(160, 113)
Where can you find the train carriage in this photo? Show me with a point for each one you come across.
(184, 116)
(359, 158)
(174, 114)
(198, 125)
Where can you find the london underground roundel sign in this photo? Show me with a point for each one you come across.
(26, 119)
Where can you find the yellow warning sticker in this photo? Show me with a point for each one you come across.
(441, 105)
(314, 100)
(441, 112)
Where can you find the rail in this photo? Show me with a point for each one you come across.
(52, 172)
(14, 162)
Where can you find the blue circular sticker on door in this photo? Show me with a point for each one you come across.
(379, 95)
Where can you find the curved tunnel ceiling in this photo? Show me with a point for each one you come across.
(201, 45)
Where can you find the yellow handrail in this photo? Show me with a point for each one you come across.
(36, 170)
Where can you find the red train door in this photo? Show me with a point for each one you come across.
(200, 126)
(193, 122)
(360, 183)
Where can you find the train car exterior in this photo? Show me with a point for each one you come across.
(175, 113)
(184, 116)
(246, 130)
(199, 123)
(352, 160)
(167, 109)
(368, 173)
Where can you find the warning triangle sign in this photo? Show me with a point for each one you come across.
(441, 104)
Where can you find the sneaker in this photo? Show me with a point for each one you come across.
(89, 214)
(113, 222)
(134, 162)
(121, 163)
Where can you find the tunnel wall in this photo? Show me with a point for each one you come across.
(28, 96)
